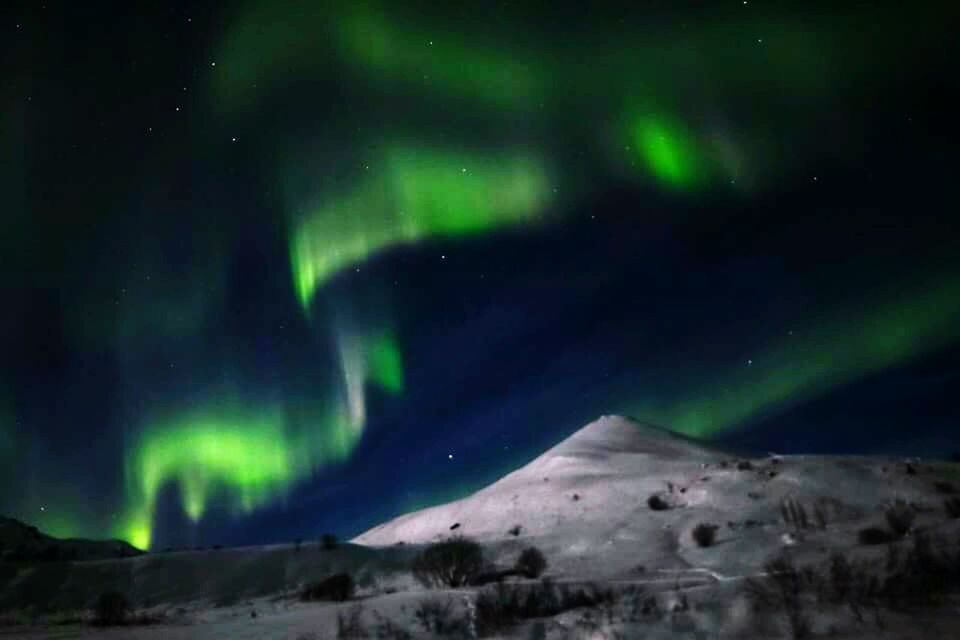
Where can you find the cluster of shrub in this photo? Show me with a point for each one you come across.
(920, 573)
(502, 606)
(113, 608)
(459, 562)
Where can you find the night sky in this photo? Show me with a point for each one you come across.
(274, 269)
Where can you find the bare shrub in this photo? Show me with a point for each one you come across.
(854, 585)
(639, 605)
(451, 563)
(504, 606)
(338, 587)
(925, 574)
(945, 487)
(531, 563)
(386, 629)
(900, 517)
(350, 625)
(820, 514)
(436, 616)
(111, 608)
(704, 534)
(794, 513)
(874, 535)
(784, 591)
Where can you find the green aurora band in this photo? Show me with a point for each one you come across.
(250, 456)
(417, 193)
(499, 65)
(838, 350)
(501, 70)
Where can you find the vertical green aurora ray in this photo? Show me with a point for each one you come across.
(839, 350)
(375, 358)
(417, 194)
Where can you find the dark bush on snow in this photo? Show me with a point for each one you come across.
(794, 513)
(328, 542)
(111, 608)
(952, 507)
(705, 534)
(900, 517)
(491, 574)
(338, 587)
(945, 487)
(657, 503)
(531, 563)
(924, 574)
(451, 563)
(504, 606)
(437, 617)
(875, 535)
(783, 590)
(350, 625)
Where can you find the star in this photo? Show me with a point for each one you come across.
(450, 456)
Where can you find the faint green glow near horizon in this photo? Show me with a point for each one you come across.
(835, 351)
(54, 522)
(251, 457)
(416, 193)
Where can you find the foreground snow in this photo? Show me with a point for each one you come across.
(584, 503)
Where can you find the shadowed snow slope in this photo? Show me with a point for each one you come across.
(21, 542)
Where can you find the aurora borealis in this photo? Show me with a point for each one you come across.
(273, 269)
